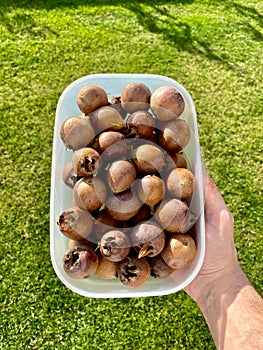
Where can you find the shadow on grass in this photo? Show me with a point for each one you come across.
(24, 23)
(153, 15)
(52, 4)
(251, 14)
(179, 33)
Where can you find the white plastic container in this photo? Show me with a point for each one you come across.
(61, 195)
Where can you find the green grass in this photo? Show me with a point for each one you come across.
(214, 49)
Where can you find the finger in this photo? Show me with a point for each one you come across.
(214, 201)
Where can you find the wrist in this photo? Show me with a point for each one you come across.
(214, 283)
(233, 311)
(223, 287)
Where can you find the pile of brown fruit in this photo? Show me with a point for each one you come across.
(131, 189)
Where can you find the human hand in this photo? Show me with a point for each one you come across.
(231, 306)
(220, 261)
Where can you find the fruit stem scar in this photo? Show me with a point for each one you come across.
(107, 250)
(145, 250)
(130, 272)
(73, 260)
(89, 163)
(75, 257)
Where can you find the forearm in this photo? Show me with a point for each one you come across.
(234, 313)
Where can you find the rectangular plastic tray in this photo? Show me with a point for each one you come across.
(61, 195)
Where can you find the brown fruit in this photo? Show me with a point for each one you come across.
(175, 135)
(120, 175)
(181, 183)
(89, 193)
(86, 162)
(143, 214)
(80, 262)
(103, 222)
(106, 269)
(159, 269)
(77, 132)
(135, 96)
(90, 98)
(141, 124)
(123, 206)
(133, 272)
(148, 238)
(75, 223)
(114, 245)
(153, 138)
(167, 103)
(115, 102)
(112, 144)
(84, 242)
(107, 118)
(69, 175)
(148, 158)
(151, 189)
(178, 160)
(179, 251)
(95, 145)
(173, 215)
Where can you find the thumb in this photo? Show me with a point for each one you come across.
(214, 201)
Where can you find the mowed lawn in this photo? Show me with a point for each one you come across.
(214, 49)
